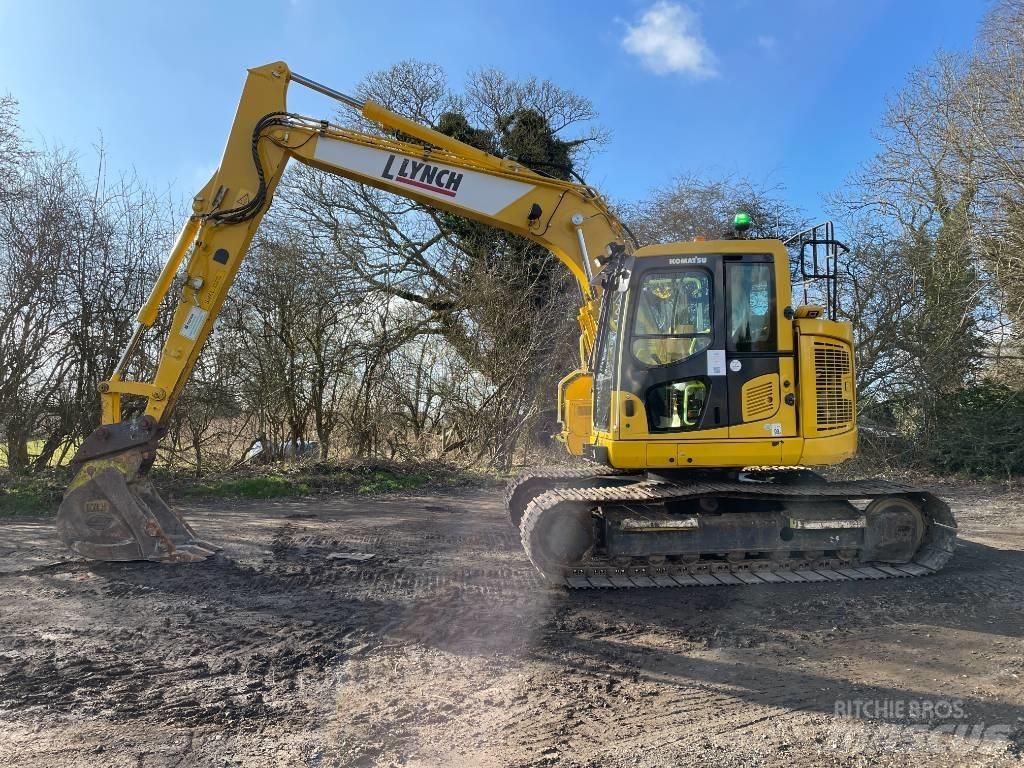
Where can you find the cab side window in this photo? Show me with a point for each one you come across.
(751, 307)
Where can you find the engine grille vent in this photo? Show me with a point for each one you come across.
(833, 386)
(760, 402)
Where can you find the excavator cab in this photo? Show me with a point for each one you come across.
(694, 363)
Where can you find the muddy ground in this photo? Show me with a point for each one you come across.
(445, 649)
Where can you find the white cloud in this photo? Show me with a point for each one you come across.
(667, 40)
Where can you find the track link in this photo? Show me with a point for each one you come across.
(521, 489)
(589, 572)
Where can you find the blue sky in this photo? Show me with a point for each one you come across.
(785, 91)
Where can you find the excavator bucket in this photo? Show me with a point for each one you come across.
(111, 511)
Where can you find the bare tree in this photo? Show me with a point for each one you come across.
(691, 207)
(449, 282)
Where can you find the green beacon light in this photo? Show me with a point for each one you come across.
(741, 222)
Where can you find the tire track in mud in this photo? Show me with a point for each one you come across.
(566, 718)
(268, 623)
(465, 591)
(144, 686)
(446, 645)
(630, 722)
(214, 647)
(769, 713)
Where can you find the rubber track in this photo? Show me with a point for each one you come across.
(526, 486)
(937, 546)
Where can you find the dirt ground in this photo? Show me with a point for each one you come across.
(445, 649)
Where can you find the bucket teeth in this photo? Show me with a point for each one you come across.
(111, 514)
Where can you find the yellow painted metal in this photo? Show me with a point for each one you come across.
(207, 276)
(826, 328)
(148, 313)
(110, 407)
(782, 422)
(809, 312)
(683, 454)
(630, 445)
(212, 250)
(575, 410)
(759, 397)
(400, 124)
(838, 442)
(825, 451)
(140, 388)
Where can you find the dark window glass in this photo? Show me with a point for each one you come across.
(673, 316)
(750, 289)
(676, 406)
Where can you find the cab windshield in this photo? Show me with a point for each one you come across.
(673, 316)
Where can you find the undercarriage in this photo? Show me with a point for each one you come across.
(596, 527)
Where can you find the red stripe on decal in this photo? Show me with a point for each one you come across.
(432, 188)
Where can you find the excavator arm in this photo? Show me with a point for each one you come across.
(111, 510)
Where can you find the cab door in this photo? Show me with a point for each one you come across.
(759, 376)
(673, 358)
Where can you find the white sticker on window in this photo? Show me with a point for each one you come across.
(193, 323)
(716, 362)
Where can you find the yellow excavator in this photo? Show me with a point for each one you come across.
(700, 396)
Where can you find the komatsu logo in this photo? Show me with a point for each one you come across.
(423, 175)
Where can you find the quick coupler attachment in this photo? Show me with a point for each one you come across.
(111, 511)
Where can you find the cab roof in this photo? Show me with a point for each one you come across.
(713, 246)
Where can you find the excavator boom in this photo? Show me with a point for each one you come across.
(111, 511)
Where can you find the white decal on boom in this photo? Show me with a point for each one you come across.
(467, 189)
